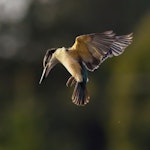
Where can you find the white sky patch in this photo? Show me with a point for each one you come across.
(13, 10)
(48, 1)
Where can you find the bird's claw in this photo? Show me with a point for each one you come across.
(71, 81)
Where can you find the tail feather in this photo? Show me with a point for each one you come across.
(80, 95)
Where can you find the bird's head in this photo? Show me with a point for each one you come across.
(49, 62)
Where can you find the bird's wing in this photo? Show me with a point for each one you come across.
(94, 48)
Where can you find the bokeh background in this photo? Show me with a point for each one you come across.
(42, 117)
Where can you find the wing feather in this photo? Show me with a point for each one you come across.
(94, 48)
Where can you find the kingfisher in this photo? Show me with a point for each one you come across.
(87, 53)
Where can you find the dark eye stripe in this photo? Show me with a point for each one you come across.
(48, 56)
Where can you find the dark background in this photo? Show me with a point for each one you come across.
(42, 117)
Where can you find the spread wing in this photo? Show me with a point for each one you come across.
(94, 48)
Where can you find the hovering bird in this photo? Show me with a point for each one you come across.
(87, 53)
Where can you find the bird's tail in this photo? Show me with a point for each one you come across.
(80, 95)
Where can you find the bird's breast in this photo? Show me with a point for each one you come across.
(71, 62)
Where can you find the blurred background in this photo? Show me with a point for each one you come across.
(42, 117)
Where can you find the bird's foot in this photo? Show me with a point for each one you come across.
(71, 81)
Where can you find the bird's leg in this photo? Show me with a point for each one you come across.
(71, 81)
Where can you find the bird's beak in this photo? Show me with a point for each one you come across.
(45, 73)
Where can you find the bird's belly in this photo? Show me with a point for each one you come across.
(73, 68)
(70, 62)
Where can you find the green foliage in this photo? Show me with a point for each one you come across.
(130, 98)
